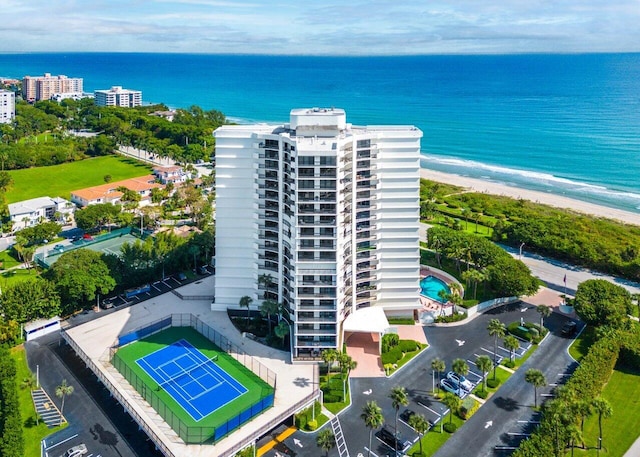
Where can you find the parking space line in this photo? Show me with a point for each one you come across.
(528, 422)
(62, 442)
(156, 288)
(371, 452)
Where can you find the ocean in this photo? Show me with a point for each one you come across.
(562, 124)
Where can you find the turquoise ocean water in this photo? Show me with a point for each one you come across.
(563, 124)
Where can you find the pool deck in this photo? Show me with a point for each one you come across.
(429, 304)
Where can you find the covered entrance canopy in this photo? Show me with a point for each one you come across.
(367, 320)
(363, 332)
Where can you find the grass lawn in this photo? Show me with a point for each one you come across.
(581, 345)
(406, 358)
(33, 434)
(623, 427)
(520, 360)
(501, 374)
(433, 439)
(7, 260)
(12, 276)
(332, 389)
(60, 180)
(195, 431)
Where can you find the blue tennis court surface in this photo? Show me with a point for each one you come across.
(194, 381)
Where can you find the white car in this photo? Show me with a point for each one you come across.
(461, 381)
(76, 451)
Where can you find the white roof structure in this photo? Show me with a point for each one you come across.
(367, 320)
(34, 204)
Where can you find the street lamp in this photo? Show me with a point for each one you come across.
(520, 254)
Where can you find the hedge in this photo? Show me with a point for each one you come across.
(455, 317)
(392, 356)
(408, 345)
(11, 437)
(534, 332)
(389, 341)
(468, 407)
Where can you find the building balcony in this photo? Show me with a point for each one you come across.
(315, 344)
(316, 319)
(315, 332)
(316, 307)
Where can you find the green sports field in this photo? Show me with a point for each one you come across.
(60, 180)
(180, 420)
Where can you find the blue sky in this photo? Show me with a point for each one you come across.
(329, 27)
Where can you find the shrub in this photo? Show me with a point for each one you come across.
(510, 364)
(401, 321)
(389, 341)
(493, 383)
(482, 394)
(468, 407)
(408, 345)
(312, 425)
(515, 329)
(300, 421)
(329, 398)
(455, 317)
(450, 427)
(392, 356)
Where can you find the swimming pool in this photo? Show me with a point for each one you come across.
(431, 286)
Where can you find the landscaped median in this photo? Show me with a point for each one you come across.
(397, 353)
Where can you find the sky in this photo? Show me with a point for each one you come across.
(320, 27)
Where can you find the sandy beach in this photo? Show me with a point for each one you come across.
(489, 187)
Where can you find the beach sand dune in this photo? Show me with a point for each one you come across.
(557, 201)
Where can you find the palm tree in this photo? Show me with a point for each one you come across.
(346, 364)
(281, 330)
(373, 418)
(496, 330)
(451, 401)
(329, 356)
(574, 435)
(545, 312)
(438, 366)
(603, 409)
(398, 398)
(62, 391)
(511, 343)
(266, 281)
(326, 440)
(484, 364)
(460, 367)
(420, 425)
(30, 382)
(245, 302)
(268, 308)
(537, 379)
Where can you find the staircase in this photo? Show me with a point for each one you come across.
(337, 432)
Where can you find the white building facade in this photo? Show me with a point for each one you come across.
(117, 96)
(329, 210)
(28, 213)
(7, 106)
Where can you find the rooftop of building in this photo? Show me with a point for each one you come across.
(29, 206)
(139, 184)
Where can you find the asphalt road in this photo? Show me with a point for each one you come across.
(466, 341)
(95, 418)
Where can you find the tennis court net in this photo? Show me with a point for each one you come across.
(187, 372)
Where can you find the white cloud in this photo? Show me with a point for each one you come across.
(327, 27)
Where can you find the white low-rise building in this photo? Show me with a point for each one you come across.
(329, 210)
(28, 213)
(117, 96)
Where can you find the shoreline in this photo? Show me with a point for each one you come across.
(558, 201)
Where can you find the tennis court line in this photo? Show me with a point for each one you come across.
(278, 439)
(223, 374)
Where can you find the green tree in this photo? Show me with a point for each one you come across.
(536, 379)
(281, 330)
(25, 301)
(6, 181)
(346, 365)
(438, 366)
(326, 440)
(398, 398)
(473, 277)
(453, 402)
(484, 364)
(497, 330)
(603, 409)
(245, 302)
(63, 391)
(268, 308)
(78, 276)
(373, 418)
(460, 367)
(329, 356)
(512, 344)
(600, 302)
(544, 311)
(420, 425)
(575, 436)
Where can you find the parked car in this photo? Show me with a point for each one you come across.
(87, 237)
(389, 438)
(461, 381)
(569, 328)
(203, 270)
(58, 248)
(406, 415)
(76, 451)
(448, 386)
(181, 277)
(107, 303)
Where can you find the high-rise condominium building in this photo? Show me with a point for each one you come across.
(7, 106)
(117, 96)
(320, 216)
(36, 88)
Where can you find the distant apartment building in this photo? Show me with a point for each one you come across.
(36, 88)
(109, 193)
(7, 106)
(28, 213)
(117, 96)
(58, 97)
(172, 174)
(331, 212)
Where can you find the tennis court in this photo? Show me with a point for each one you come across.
(194, 381)
(107, 243)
